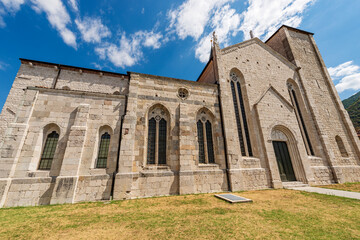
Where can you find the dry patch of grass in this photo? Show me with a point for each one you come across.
(274, 214)
(353, 187)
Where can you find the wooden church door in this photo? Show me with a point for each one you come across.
(284, 161)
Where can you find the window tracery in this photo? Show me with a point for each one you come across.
(157, 136)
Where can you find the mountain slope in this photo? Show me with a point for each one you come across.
(349, 101)
(352, 105)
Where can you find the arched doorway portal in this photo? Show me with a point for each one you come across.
(287, 155)
(283, 160)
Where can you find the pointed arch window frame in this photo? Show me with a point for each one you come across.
(241, 116)
(157, 136)
(205, 139)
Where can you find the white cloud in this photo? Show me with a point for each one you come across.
(74, 5)
(348, 75)
(2, 22)
(12, 6)
(225, 22)
(129, 51)
(264, 17)
(3, 66)
(58, 17)
(92, 30)
(191, 17)
(151, 39)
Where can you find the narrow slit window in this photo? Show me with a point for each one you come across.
(47, 156)
(103, 151)
(304, 132)
(341, 147)
(210, 146)
(162, 141)
(151, 141)
(200, 132)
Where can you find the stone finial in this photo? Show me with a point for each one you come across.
(215, 38)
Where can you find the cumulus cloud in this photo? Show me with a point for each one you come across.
(264, 17)
(347, 75)
(191, 17)
(129, 50)
(225, 22)
(92, 30)
(58, 17)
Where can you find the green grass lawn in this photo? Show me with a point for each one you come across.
(353, 187)
(274, 214)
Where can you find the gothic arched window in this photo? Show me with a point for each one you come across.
(48, 153)
(341, 147)
(240, 115)
(103, 150)
(157, 136)
(301, 121)
(205, 139)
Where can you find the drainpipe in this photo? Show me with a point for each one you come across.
(119, 145)
(57, 76)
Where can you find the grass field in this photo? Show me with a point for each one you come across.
(354, 187)
(274, 214)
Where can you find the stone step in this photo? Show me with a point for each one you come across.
(288, 185)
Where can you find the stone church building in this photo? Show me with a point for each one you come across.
(260, 115)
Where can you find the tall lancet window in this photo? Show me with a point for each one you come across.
(157, 136)
(301, 122)
(240, 115)
(205, 138)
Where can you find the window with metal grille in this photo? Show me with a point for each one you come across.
(162, 141)
(151, 141)
(200, 133)
(240, 116)
(49, 151)
(103, 150)
(210, 146)
(301, 122)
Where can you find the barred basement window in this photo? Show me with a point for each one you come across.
(205, 139)
(240, 116)
(103, 151)
(299, 116)
(341, 147)
(49, 151)
(157, 137)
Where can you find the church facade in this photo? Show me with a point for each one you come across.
(261, 115)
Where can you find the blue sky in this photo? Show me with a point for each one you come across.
(168, 38)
